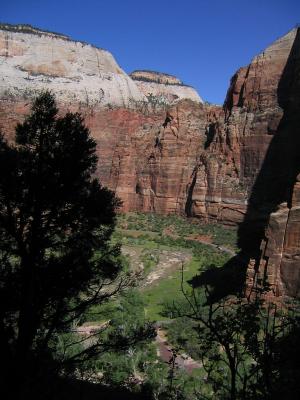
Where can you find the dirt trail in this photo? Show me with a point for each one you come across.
(169, 261)
(165, 352)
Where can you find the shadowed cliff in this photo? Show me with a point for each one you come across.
(272, 189)
(274, 183)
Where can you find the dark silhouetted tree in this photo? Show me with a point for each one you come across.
(249, 347)
(56, 259)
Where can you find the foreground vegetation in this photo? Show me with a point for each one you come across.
(237, 342)
(78, 312)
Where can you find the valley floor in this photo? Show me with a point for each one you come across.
(169, 251)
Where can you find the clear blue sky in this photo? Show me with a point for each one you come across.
(201, 42)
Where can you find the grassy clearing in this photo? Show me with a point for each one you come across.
(168, 290)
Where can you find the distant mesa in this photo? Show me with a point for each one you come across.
(154, 76)
(166, 87)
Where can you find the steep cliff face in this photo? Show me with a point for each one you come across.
(32, 60)
(147, 152)
(231, 181)
(152, 161)
(237, 164)
(258, 137)
(189, 158)
(276, 192)
(163, 88)
(253, 111)
(253, 107)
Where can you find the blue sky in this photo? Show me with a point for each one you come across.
(201, 42)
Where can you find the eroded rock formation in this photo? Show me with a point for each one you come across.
(78, 73)
(163, 88)
(275, 195)
(236, 165)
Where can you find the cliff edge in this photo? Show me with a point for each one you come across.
(164, 88)
(33, 60)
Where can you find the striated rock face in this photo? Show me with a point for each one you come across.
(78, 73)
(151, 163)
(259, 138)
(276, 192)
(156, 77)
(148, 154)
(163, 88)
(161, 149)
(239, 177)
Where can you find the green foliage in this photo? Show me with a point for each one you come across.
(176, 227)
(248, 350)
(54, 217)
(161, 297)
(150, 259)
(239, 343)
(125, 364)
(182, 333)
(147, 231)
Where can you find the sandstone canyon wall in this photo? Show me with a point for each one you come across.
(76, 72)
(276, 192)
(235, 164)
(153, 154)
(260, 134)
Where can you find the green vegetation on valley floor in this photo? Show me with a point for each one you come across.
(152, 236)
(177, 227)
(78, 309)
(167, 253)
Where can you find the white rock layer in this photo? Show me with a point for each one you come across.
(169, 93)
(75, 71)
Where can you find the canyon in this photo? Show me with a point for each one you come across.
(162, 149)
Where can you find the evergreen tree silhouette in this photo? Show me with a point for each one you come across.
(55, 224)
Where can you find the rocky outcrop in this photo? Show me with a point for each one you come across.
(239, 178)
(156, 160)
(163, 88)
(141, 154)
(156, 77)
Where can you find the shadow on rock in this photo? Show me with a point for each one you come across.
(277, 176)
(273, 186)
(223, 281)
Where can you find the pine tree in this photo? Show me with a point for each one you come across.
(55, 224)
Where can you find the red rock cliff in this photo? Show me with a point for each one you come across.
(275, 196)
(236, 164)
